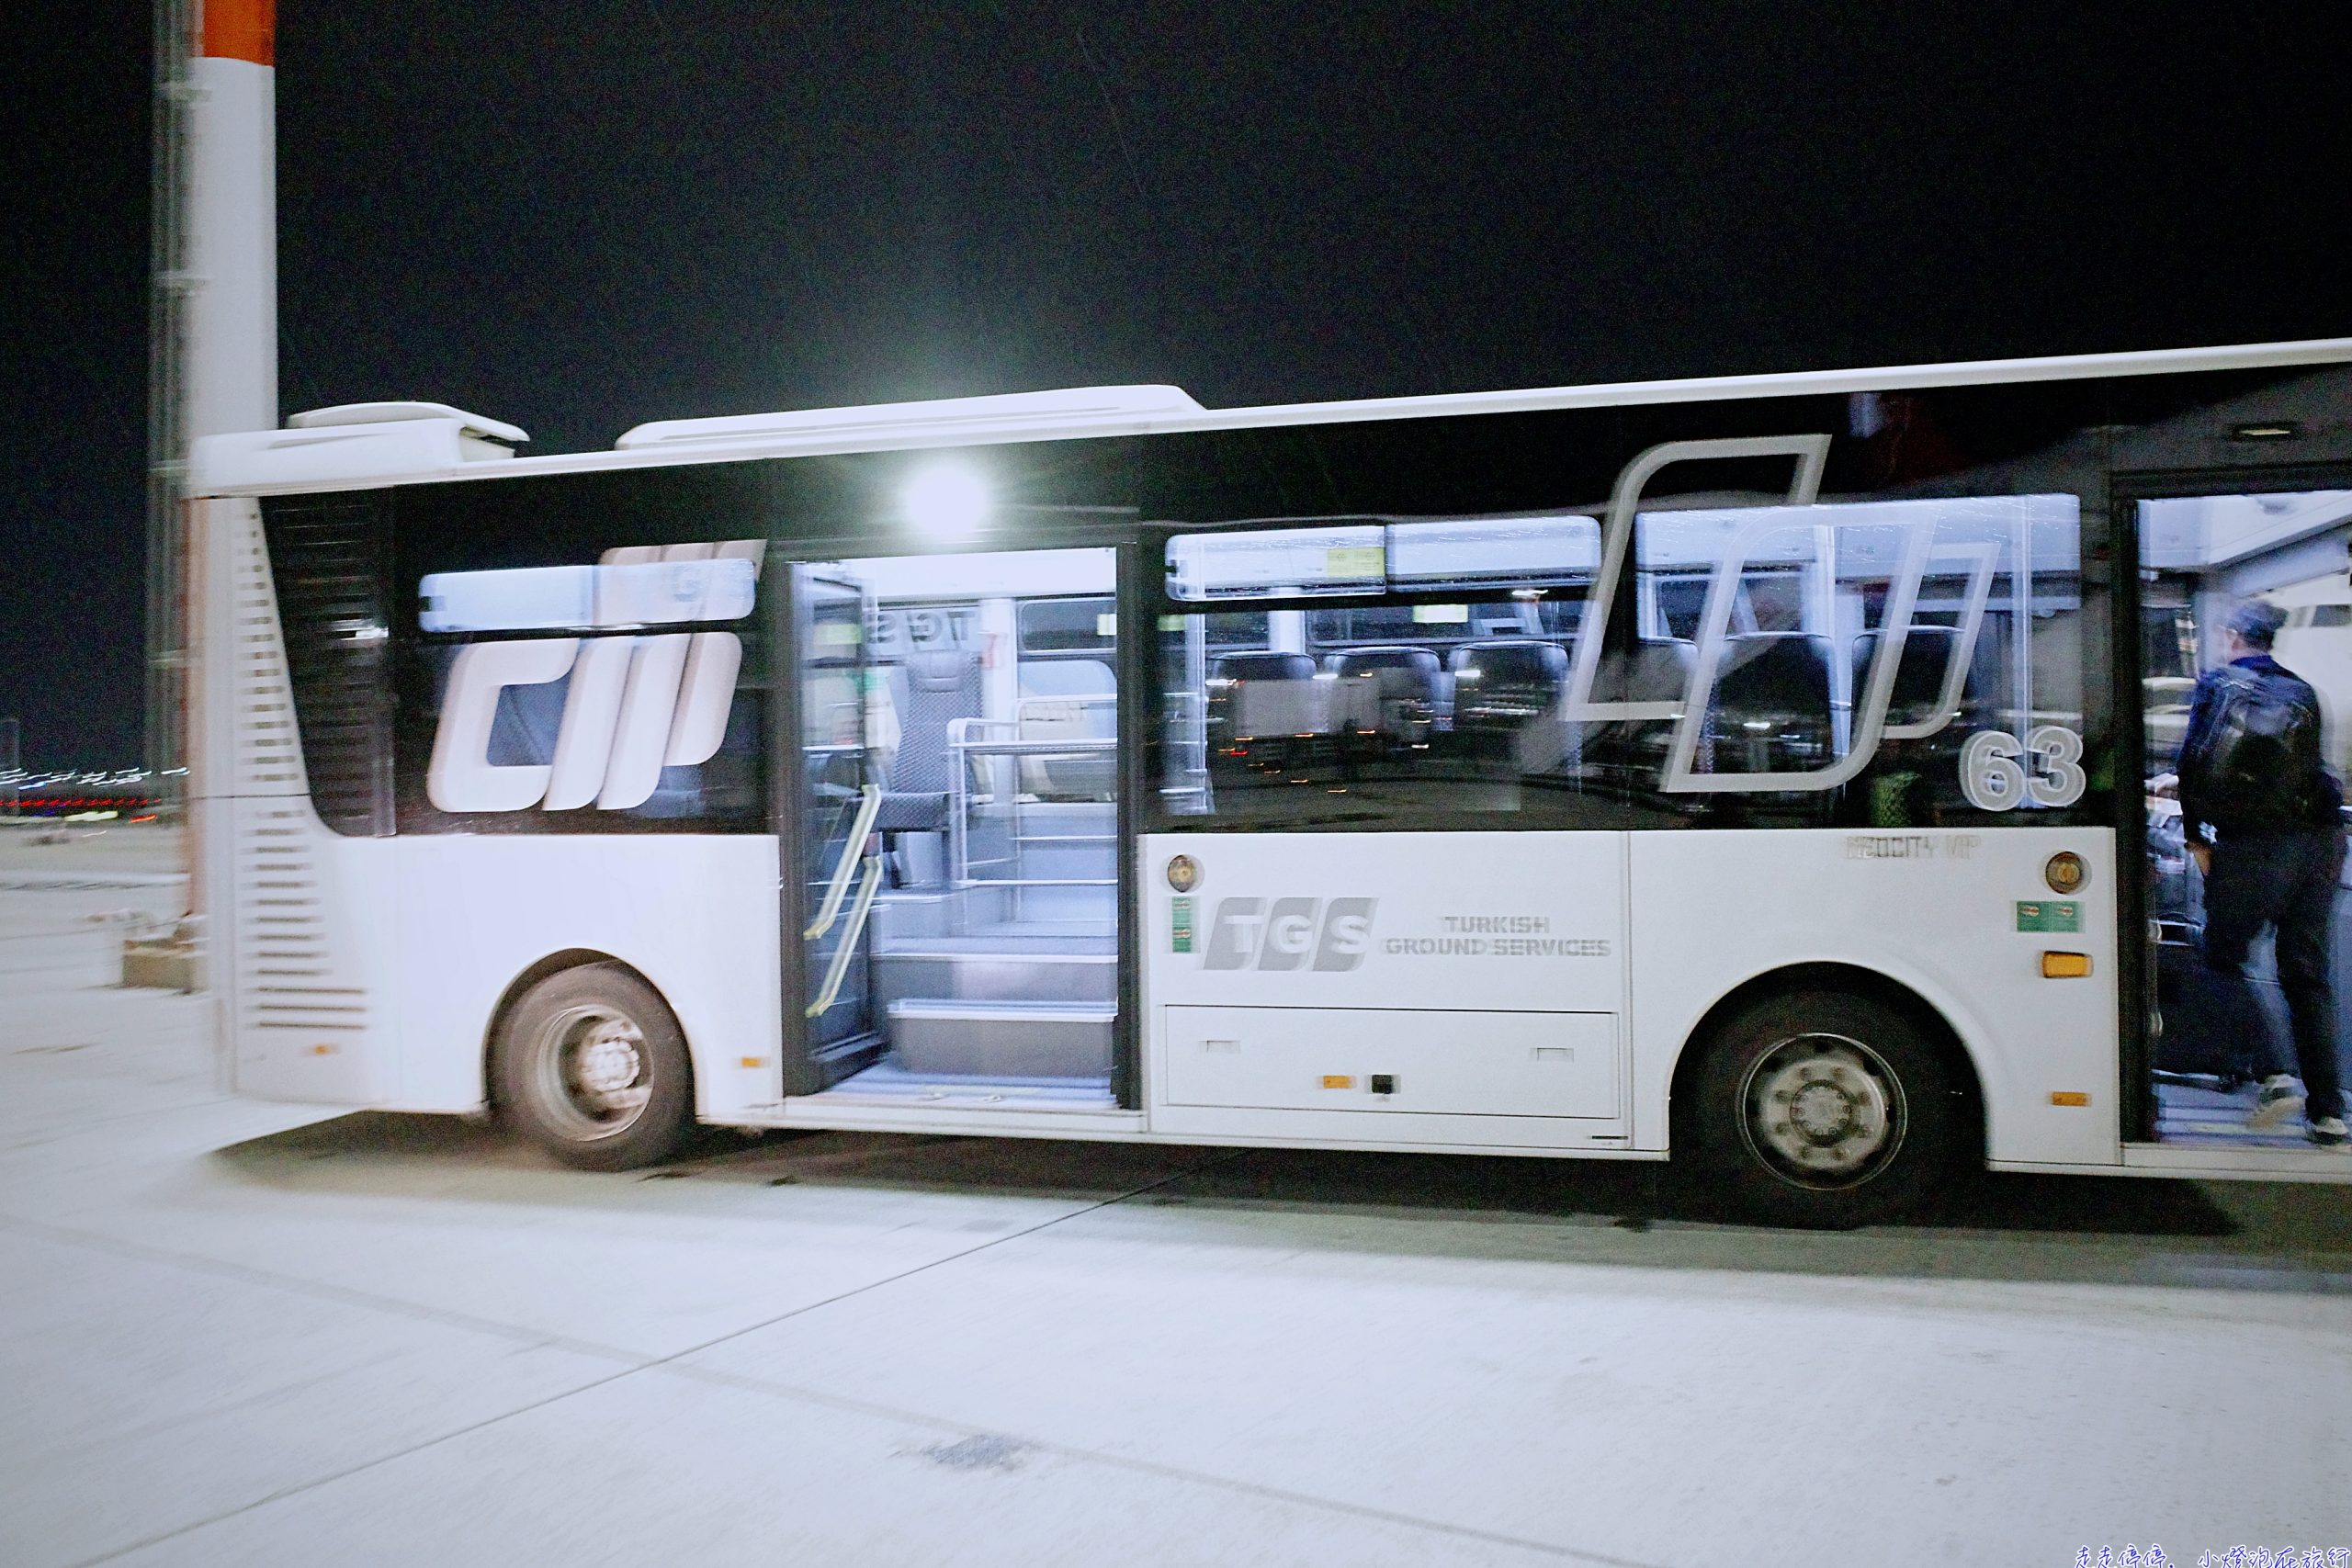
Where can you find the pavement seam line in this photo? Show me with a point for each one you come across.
(671, 1363)
(341, 1294)
(639, 1364)
(950, 1258)
(295, 1490)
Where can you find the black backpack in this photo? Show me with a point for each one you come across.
(2260, 766)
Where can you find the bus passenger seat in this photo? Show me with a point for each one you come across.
(1656, 671)
(1076, 714)
(1918, 672)
(1772, 703)
(941, 685)
(1396, 693)
(1263, 696)
(1500, 686)
(1919, 777)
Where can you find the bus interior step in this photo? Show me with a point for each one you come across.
(1011, 1039)
(938, 971)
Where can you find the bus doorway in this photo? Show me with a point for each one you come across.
(954, 924)
(2206, 549)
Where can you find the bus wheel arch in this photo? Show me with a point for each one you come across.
(585, 1057)
(1809, 1023)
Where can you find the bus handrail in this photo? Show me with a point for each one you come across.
(869, 806)
(847, 947)
(962, 748)
(1034, 748)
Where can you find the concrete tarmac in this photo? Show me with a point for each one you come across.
(243, 1333)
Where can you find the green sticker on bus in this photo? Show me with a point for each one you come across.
(1355, 561)
(1180, 926)
(2049, 917)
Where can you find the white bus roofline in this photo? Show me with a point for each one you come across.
(426, 443)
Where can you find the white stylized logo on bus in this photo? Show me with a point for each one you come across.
(633, 706)
(1328, 936)
(1990, 776)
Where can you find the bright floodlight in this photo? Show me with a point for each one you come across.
(947, 500)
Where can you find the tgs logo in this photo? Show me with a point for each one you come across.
(1328, 936)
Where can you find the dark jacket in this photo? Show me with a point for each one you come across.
(2322, 801)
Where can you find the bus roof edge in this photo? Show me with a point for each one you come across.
(407, 443)
(396, 413)
(942, 416)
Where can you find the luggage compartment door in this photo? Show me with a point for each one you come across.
(1443, 987)
(1464, 1063)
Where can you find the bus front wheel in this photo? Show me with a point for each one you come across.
(1822, 1109)
(591, 1066)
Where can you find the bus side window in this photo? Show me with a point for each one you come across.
(1780, 665)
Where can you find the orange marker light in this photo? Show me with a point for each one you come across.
(2069, 1097)
(2065, 966)
(753, 1061)
(1337, 1081)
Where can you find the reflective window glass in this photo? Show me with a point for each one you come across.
(1877, 662)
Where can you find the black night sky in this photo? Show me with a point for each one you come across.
(578, 216)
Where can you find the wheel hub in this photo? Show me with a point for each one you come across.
(608, 1062)
(1825, 1114)
(1824, 1110)
(592, 1064)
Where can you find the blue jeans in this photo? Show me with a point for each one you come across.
(2287, 881)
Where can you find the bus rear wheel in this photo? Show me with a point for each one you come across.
(1822, 1109)
(590, 1064)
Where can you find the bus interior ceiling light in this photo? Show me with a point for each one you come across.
(947, 500)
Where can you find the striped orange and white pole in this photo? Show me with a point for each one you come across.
(239, 29)
(230, 352)
(227, 381)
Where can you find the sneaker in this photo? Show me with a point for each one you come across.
(2281, 1098)
(2329, 1132)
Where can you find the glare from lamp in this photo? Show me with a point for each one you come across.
(947, 500)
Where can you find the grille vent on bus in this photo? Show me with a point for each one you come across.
(263, 757)
(287, 974)
(327, 557)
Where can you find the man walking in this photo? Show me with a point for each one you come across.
(2250, 773)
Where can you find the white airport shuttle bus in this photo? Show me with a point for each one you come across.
(1746, 770)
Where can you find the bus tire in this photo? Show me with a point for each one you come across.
(1822, 1109)
(591, 1066)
